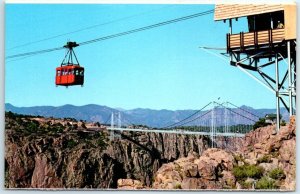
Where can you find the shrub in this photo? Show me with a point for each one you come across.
(246, 185)
(260, 123)
(89, 144)
(71, 143)
(274, 153)
(75, 126)
(266, 183)
(82, 134)
(97, 124)
(56, 128)
(252, 171)
(101, 143)
(83, 125)
(31, 126)
(177, 186)
(230, 184)
(283, 123)
(277, 174)
(10, 114)
(239, 173)
(264, 159)
(238, 157)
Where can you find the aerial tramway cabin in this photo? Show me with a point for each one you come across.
(268, 25)
(70, 73)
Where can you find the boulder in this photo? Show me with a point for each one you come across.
(268, 166)
(228, 179)
(287, 151)
(193, 183)
(130, 184)
(207, 168)
(190, 169)
(213, 162)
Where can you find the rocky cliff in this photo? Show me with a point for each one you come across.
(52, 153)
(65, 153)
(263, 159)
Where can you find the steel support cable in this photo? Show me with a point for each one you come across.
(118, 34)
(244, 110)
(236, 112)
(240, 114)
(34, 53)
(286, 62)
(196, 118)
(242, 69)
(88, 27)
(65, 57)
(148, 27)
(126, 121)
(109, 117)
(168, 126)
(17, 59)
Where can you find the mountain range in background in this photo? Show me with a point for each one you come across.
(141, 116)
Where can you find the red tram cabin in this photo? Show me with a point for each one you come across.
(69, 73)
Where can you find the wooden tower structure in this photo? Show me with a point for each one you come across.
(267, 50)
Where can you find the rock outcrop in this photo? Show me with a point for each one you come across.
(280, 149)
(130, 184)
(263, 159)
(212, 170)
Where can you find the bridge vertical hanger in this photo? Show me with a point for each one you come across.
(269, 43)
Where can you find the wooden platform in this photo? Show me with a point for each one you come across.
(255, 39)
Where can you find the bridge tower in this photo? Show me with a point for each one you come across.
(213, 126)
(113, 134)
(119, 125)
(267, 51)
(226, 117)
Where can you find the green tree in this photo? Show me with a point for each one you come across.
(260, 123)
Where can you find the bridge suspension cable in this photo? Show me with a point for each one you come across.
(196, 118)
(168, 126)
(235, 112)
(244, 110)
(108, 119)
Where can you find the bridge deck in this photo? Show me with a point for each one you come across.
(177, 132)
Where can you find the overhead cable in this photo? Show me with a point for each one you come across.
(116, 35)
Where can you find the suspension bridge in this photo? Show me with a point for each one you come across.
(214, 119)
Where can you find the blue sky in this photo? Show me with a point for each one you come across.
(162, 68)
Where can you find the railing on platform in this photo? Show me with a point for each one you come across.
(254, 39)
